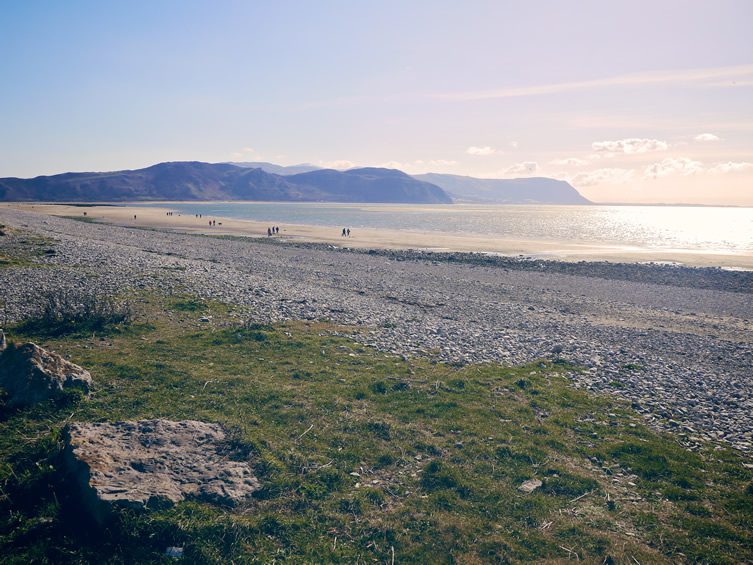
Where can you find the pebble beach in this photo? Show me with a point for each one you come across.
(675, 342)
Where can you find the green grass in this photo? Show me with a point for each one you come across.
(361, 454)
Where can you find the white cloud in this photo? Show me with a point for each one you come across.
(706, 137)
(706, 76)
(629, 146)
(684, 166)
(730, 167)
(524, 168)
(569, 162)
(480, 151)
(602, 176)
(674, 166)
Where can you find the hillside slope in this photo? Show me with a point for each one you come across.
(536, 190)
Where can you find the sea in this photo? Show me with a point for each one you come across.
(701, 229)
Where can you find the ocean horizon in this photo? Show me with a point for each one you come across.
(707, 229)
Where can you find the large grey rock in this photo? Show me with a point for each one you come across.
(30, 374)
(154, 463)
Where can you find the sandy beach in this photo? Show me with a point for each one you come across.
(157, 218)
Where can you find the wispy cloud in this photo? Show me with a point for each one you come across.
(629, 146)
(684, 166)
(706, 137)
(709, 76)
(731, 167)
(245, 153)
(420, 165)
(569, 162)
(339, 164)
(674, 166)
(480, 151)
(524, 168)
(602, 176)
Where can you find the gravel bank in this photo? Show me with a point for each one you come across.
(677, 342)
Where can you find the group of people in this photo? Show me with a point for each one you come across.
(346, 232)
(273, 231)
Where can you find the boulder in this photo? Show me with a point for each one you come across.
(154, 464)
(30, 374)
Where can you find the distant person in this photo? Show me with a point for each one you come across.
(134, 216)
(348, 232)
(269, 232)
(344, 233)
(210, 223)
(277, 229)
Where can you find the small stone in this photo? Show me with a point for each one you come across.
(530, 485)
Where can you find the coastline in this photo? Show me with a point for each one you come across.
(365, 238)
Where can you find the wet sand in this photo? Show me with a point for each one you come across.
(157, 218)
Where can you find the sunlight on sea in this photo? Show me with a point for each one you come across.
(691, 229)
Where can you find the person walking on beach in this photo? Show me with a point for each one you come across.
(269, 232)
(348, 232)
(343, 234)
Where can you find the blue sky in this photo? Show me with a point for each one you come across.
(629, 101)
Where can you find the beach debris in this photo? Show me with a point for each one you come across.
(30, 374)
(530, 485)
(154, 464)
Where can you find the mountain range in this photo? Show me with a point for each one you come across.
(194, 180)
(223, 181)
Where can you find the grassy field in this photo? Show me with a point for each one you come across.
(366, 457)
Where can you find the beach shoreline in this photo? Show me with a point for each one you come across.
(131, 215)
(673, 341)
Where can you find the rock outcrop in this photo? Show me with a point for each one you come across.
(30, 374)
(153, 464)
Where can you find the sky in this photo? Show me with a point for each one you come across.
(630, 101)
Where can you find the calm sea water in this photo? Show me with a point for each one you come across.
(698, 229)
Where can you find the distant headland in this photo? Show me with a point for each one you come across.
(197, 181)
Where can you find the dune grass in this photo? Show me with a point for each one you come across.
(366, 457)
